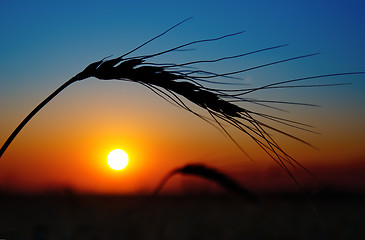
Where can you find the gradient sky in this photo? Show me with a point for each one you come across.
(43, 44)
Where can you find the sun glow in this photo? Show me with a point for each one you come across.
(117, 159)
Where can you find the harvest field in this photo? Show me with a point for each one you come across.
(176, 217)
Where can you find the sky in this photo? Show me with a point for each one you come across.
(43, 44)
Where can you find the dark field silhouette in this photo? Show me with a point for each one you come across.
(180, 217)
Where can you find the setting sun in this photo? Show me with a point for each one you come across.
(117, 159)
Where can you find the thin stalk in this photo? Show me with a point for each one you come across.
(32, 113)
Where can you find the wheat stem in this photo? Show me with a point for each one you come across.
(32, 113)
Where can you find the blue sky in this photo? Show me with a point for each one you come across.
(73, 33)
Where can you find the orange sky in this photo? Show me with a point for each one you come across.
(67, 143)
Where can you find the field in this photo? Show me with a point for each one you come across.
(72, 216)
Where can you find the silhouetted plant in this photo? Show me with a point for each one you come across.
(177, 83)
(211, 174)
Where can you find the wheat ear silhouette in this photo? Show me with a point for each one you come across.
(178, 83)
(211, 174)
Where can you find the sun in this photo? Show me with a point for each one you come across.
(117, 159)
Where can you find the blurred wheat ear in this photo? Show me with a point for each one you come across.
(181, 83)
(211, 174)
